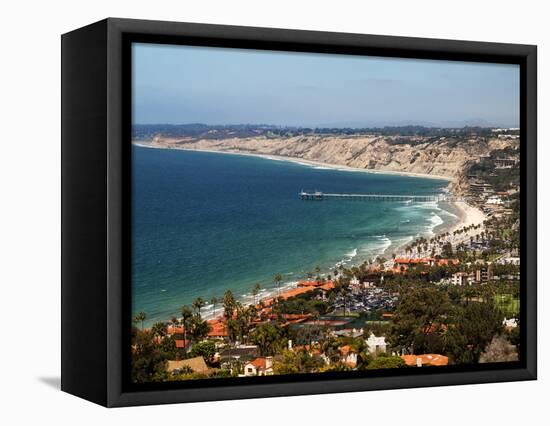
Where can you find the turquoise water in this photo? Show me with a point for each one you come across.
(203, 223)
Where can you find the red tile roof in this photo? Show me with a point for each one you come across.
(217, 328)
(313, 283)
(174, 330)
(259, 363)
(426, 359)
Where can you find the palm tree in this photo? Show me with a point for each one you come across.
(159, 329)
(174, 322)
(214, 302)
(228, 304)
(186, 315)
(198, 304)
(255, 292)
(140, 317)
(277, 280)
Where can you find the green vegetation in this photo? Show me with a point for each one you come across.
(508, 304)
(385, 361)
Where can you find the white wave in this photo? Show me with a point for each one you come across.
(435, 220)
(385, 244)
(352, 253)
(429, 205)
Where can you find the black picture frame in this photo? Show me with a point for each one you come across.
(96, 120)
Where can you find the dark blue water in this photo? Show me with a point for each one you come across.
(203, 223)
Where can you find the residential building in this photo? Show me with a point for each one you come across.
(484, 274)
(510, 323)
(375, 344)
(463, 278)
(348, 356)
(262, 366)
(494, 200)
(196, 364)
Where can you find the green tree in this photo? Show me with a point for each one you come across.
(419, 319)
(140, 318)
(198, 304)
(168, 347)
(255, 291)
(148, 362)
(228, 304)
(159, 329)
(286, 363)
(206, 349)
(277, 279)
(186, 315)
(198, 328)
(266, 337)
(474, 325)
(383, 361)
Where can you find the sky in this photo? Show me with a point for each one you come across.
(189, 84)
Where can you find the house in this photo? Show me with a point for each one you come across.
(348, 356)
(239, 352)
(259, 367)
(310, 283)
(509, 261)
(196, 364)
(376, 345)
(425, 360)
(505, 163)
(484, 274)
(173, 329)
(463, 278)
(495, 200)
(400, 262)
(510, 323)
(447, 262)
(217, 329)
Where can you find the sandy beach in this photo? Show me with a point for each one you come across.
(468, 214)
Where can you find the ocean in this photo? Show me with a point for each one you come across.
(203, 223)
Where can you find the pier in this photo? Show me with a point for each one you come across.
(320, 196)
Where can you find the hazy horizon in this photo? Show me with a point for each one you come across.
(324, 127)
(179, 85)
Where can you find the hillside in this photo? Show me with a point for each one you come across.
(446, 156)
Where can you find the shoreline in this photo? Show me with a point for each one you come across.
(466, 215)
(302, 161)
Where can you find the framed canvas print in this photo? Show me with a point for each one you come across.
(252, 212)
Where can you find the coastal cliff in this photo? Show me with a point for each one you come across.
(443, 157)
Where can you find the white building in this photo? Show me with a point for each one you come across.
(259, 367)
(376, 345)
(463, 278)
(510, 323)
(509, 261)
(494, 200)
